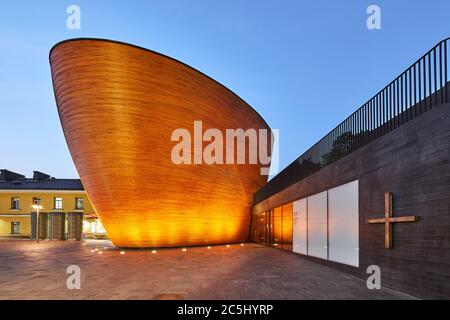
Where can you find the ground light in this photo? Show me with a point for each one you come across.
(153, 251)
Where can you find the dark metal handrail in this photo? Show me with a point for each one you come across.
(418, 89)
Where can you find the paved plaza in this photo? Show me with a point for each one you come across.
(38, 271)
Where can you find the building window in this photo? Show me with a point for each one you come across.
(58, 203)
(79, 203)
(36, 201)
(15, 227)
(15, 203)
(326, 224)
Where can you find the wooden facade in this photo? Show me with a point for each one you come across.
(119, 105)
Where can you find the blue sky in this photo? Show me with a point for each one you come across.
(303, 65)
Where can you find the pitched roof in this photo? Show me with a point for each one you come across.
(12, 181)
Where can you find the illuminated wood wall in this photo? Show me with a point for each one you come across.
(118, 106)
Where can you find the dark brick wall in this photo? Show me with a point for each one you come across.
(413, 163)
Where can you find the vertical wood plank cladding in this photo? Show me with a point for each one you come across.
(118, 106)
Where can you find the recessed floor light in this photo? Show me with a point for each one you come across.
(228, 245)
(154, 251)
(122, 252)
(209, 247)
(100, 252)
(184, 249)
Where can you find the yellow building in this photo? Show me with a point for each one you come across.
(65, 210)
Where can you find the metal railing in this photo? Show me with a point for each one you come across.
(421, 87)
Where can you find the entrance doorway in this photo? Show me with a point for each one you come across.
(274, 227)
(263, 228)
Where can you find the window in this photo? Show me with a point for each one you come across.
(15, 227)
(326, 225)
(79, 204)
(15, 203)
(343, 222)
(300, 227)
(36, 200)
(318, 225)
(58, 203)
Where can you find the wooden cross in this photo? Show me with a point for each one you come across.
(388, 220)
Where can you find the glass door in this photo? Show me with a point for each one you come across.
(262, 228)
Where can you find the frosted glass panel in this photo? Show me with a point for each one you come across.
(317, 225)
(344, 224)
(299, 226)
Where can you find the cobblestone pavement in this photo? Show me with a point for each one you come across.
(38, 271)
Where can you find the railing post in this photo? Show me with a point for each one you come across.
(401, 98)
(391, 108)
(445, 71)
(415, 91)
(410, 104)
(382, 112)
(386, 111)
(435, 78)
(430, 102)
(441, 79)
(399, 101)
(424, 83)
(420, 90)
